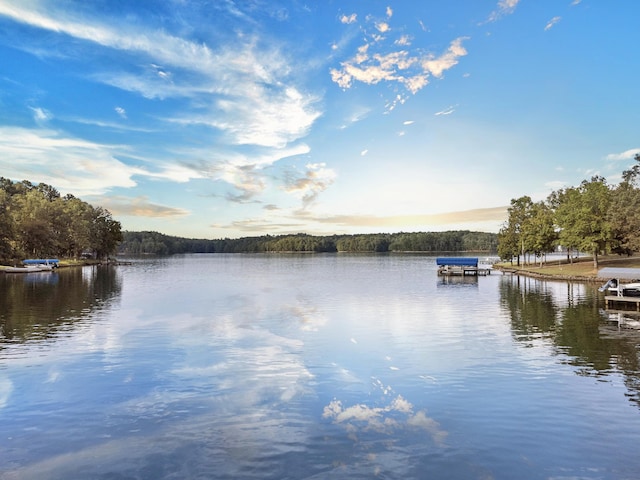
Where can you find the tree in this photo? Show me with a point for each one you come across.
(6, 225)
(33, 219)
(581, 215)
(539, 230)
(105, 233)
(508, 243)
(624, 211)
(78, 218)
(519, 214)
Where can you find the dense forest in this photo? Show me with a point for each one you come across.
(594, 218)
(35, 221)
(137, 243)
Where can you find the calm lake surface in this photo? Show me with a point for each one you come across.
(311, 367)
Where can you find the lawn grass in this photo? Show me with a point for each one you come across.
(580, 268)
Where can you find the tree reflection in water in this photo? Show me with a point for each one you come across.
(38, 306)
(568, 315)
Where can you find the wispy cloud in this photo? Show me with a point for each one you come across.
(505, 7)
(397, 415)
(446, 111)
(626, 155)
(551, 23)
(494, 214)
(317, 178)
(347, 19)
(74, 165)
(40, 115)
(381, 59)
(243, 91)
(412, 69)
(139, 206)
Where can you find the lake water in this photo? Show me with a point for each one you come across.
(311, 367)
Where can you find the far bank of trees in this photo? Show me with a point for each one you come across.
(35, 221)
(594, 218)
(139, 243)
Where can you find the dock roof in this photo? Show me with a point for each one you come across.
(618, 272)
(457, 261)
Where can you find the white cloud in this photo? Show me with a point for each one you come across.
(505, 7)
(437, 65)
(387, 419)
(446, 111)
(403, 41)
(40, 115)
(626, 155)
(246, 85)
(347, 19)
(316, 179)
(410, 70)
(244, 92)
(73, 165)
(551, 23)
(138, 206)
(382, 27)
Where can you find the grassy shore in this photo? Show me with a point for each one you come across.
(581, 269)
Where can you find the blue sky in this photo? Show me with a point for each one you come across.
(225, 118)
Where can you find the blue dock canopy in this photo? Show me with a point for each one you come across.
(457, 261)
(39, 261)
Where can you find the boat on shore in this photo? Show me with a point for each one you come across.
(43, 263)
(619, 289)
(26, 269)
(616, 286)
(35, 265)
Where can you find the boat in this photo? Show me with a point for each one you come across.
(43, 263)
(620, 283)
(615, 287)
(27, 269)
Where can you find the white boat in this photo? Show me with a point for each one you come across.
(615, 287)
(620, 284)
(27, 269)
(42, 263)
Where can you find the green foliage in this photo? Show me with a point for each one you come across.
(36, 221)
(140, 243)
(592, 217)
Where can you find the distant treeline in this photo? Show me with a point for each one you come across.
(139, 243)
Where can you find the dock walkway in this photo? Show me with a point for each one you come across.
(616, 300)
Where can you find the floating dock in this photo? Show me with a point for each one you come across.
(463, 266)
(621, 275)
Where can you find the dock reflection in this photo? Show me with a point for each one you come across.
(457, 281)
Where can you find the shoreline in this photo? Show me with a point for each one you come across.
(581, 270)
